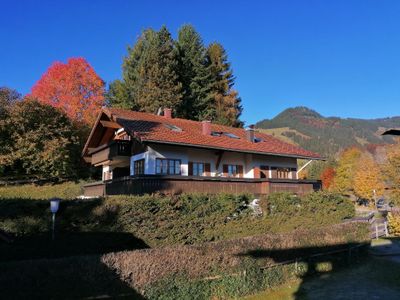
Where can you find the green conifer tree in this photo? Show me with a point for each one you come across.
(193, 73)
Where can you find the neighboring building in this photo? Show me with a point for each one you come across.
(146, 153)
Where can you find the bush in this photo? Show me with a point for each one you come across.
(66, 190)
(394, 223)
(165, 220)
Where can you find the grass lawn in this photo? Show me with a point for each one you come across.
(66, 190)
(374, 278)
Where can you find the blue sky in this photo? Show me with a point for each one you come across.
(340, 58)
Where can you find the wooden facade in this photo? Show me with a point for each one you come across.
(191, 184)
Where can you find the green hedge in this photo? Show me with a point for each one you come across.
(66, 190)
(186, 219)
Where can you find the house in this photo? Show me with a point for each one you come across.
(146, 153)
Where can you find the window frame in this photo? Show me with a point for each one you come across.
(138, 167)
(164, 166)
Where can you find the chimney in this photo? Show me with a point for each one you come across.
(206, 127)
(168, 113)
(250, 133)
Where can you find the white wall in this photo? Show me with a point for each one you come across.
(185, 154)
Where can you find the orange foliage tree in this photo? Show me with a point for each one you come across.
(73, 87)
(327, 177)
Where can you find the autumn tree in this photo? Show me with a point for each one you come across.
(392, 171)
(44, 142)
(74, 87)
(8, 97)
(226, 106)
(344, 179)
(367, 178)
(327, 177)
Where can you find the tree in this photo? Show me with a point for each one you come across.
(150, 73)
(193, 73)
(73, 87)
(44, 141)
(392, 171)
(8, 97)
(159, 84)
(327, 177)
(196, 81)
(344, 179)
(226, 106)
(367, 178)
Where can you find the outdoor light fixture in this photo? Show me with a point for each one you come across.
(54, 205)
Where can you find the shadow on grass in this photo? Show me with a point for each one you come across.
(68, 244)
(34, 266)
(352, 274)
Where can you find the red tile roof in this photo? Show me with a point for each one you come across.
(152, 128)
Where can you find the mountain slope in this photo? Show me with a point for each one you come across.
(327, 135)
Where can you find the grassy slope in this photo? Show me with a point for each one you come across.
(372, 279)
(187, 219)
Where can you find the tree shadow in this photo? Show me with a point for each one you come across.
(34, 266)
(310, 262)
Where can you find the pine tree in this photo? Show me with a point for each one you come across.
(118, 95)
(150, 73)
(226, 105)
(160, 86)
(193, 73)
(184, 75)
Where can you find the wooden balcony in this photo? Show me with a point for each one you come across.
(114, 152)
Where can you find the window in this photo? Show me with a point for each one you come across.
(173, 127)
(138, 167)
(233, 170)
(228, 134)
(199, 169)
(231, 135)
(168, 166)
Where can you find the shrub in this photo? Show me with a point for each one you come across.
(66, 190)
(394, 223)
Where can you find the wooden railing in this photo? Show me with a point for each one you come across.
(211, 185)
(108, 152)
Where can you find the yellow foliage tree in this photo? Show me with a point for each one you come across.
(394, 223)
(344, 178)
(392, 171)
(367, 178)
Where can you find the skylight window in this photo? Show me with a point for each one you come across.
(228, 134)
(173, 127)
(231, 135)
(258, 140)
(216, 133)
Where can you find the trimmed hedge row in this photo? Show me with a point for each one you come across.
(186, 219)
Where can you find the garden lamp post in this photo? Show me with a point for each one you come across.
(54, 205)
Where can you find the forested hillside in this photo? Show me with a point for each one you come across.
(327, 135)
